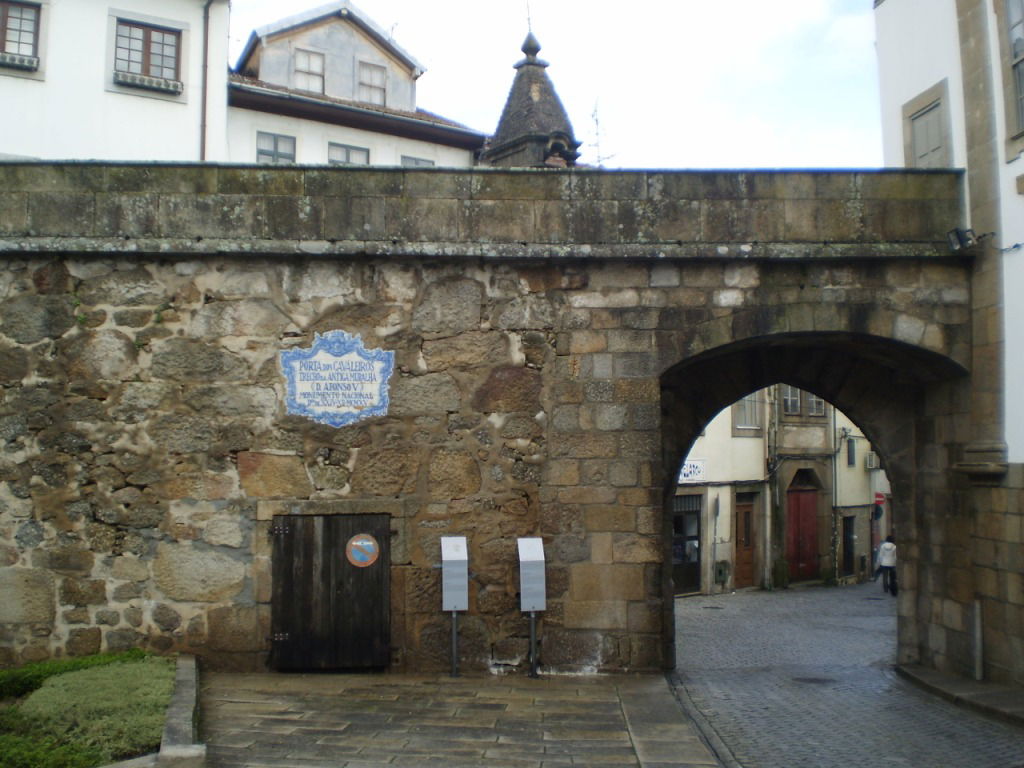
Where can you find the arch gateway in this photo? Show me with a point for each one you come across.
(559, 339)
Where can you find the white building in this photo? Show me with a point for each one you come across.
(149, 80)
(952, 91)
(779, 487)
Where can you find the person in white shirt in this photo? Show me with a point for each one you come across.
(887, 565)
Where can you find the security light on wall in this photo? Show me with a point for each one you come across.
(960, 239)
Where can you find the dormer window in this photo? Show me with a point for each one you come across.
(372, 83)
(309, 71)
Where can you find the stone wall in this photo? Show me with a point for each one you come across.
(542, 325)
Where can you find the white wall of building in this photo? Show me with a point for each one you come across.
(72, 109)
(918, 45)
(312, 138)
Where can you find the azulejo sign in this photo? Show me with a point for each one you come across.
(337, 381)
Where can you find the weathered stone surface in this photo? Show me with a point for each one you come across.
(386, 470)
(247, 317)
(449, 307)
(129, 288)
(28, 596)
(65, 560)
(165, 617)
(265, 475)
(104, 354)
(28, 319)
(83, 642)
(236, 628)
(181, 359)
(453, 475)
(467, 350)
(429, 394)
(81, 592)
(14, 364)
(129, 569)
(193, 575)
(509, 389)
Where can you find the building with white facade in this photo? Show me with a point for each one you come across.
(780, 487)
(952, 92)
(149, 81)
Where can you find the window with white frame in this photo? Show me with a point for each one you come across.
(790, 400)
(274, 148)
(147, 56)
(19, 35)
(373, 81)
(1015, 24)
(815, 405)
(309, 71)
(851, 452)
(416, 162)
(747, 412)
(345, 154)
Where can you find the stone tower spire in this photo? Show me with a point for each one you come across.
(534, 129)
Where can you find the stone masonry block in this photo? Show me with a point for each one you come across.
(62, 213)
(593, 614)
(260, 181)
(28, 596)
(487, 221)
(265, 475)
(591, 581)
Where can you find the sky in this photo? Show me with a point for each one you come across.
(650, 83)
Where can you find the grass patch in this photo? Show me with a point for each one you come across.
(107, 710)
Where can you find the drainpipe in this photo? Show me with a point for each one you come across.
(206, 79)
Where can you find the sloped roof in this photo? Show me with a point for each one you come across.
(250, 93)
(533, 107)
(342, 9)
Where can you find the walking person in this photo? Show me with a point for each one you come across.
(887, 564)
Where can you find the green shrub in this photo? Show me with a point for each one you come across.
(88, 717)
(15, 683)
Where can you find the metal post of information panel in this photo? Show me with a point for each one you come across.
(454, 586)
(533, 644)
(455, 643)
(532, 589)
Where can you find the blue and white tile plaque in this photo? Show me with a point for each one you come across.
(337, 381)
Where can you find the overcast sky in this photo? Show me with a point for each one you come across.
(650, 83)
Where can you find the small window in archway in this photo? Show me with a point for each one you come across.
(851, 453)
(790, 400)
(815, 405)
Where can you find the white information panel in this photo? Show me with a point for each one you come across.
(454, 573)
(532, 587)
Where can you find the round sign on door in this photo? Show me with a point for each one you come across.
(362, 550)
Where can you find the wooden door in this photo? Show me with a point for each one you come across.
(330, 603)
(743, 559)
(802, 534)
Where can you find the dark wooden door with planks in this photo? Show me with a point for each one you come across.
(330, 603)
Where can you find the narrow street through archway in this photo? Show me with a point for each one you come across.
(804, 677)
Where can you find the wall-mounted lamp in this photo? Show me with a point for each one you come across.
(960, 239)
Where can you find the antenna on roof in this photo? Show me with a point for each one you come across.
(529, 20)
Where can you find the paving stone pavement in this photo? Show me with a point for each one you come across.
(804, 678)
(367, 721)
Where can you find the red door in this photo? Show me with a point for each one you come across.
(802, 534)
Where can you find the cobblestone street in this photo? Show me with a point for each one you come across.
(803, 678)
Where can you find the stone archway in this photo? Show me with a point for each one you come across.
(905, 399)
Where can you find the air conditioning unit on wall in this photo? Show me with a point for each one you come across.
(871, 460)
